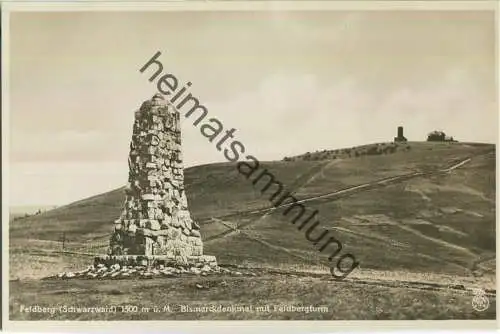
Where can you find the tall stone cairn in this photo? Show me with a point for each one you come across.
(155, 219)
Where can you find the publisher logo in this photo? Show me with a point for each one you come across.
(480, 302)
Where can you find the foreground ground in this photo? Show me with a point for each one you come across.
(333, 300)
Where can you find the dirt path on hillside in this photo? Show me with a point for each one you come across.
(362, 276)
(335, 194)
(406, 245)
(313, 172)
(297, 186)
(360, 187)
(380, 182)
(302, 180)
(437, 241)
(354, 189)
(273, 246)
(229, 232)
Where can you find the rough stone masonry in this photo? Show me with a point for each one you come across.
(155, 221)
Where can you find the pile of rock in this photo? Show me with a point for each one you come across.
(121, 272)
(117, 271)
(154, 261)
(155, 219)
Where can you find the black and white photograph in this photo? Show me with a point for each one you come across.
(261, 162)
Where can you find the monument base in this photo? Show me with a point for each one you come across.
(152, 261)
(145, 266)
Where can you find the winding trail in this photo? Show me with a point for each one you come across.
(414, 284)
(374, 184)
(327, 197)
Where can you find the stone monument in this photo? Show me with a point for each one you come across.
(155, 223)
(400, 137)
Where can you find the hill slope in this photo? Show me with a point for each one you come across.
(440, 222)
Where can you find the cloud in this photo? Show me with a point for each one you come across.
(57, 183)
(66, 145)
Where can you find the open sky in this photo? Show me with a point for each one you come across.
(289, 82)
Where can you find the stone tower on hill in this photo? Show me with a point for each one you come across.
(155, 220)
(400, 137)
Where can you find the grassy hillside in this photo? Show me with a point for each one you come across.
(23, 211)
(441, 223)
